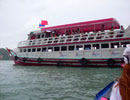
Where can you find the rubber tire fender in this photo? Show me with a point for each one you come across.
(39, 60)
(110, 62)
(24, 59)
(83, 61)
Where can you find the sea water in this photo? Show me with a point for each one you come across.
(52, 83)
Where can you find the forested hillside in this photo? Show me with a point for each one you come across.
(4, 54)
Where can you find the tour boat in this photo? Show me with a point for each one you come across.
(97, 43)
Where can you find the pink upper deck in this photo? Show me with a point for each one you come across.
(95, 25)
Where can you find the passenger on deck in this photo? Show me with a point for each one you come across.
(78, 30)
(82, 32)
(69, 32)
(95, 31)
(111, 31)
(121, 89)
(122, 29)
(102, 28)
(73, 32)
(33, 37)
(54, 33)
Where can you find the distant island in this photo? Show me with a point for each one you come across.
(4, 54)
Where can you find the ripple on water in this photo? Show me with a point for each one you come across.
(52, 83)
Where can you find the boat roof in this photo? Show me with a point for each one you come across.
(87, 26)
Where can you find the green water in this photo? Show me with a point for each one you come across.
(52, 83)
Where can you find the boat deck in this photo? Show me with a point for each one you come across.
(82, 37)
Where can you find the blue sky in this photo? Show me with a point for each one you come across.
(19, 17)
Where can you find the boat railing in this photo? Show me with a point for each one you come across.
(73, 38)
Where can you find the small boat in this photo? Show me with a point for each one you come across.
(105, 93)
(97, 43)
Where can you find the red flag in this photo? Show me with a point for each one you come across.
(44, 22)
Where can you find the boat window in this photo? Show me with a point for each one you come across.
(56, 48)
(115, 45)
(43, 49)
(64, 48)
(38, 49)
(24, 50)
(71, 48)
(38, 36)
(79, 47)
(42, 35)
(125, 44)
(95, 46)
(50, 49)
(34, 50)
(87, 47)
(21, 50)
(105, 45)
(29, 50)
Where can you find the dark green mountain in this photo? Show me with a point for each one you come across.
(4, 54)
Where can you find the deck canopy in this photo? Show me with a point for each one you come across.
(88, 26)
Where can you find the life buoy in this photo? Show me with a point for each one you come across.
(110, 62)
(83, 61)
(39, 60)
(24, 59)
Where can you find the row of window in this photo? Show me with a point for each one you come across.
(77, 47)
